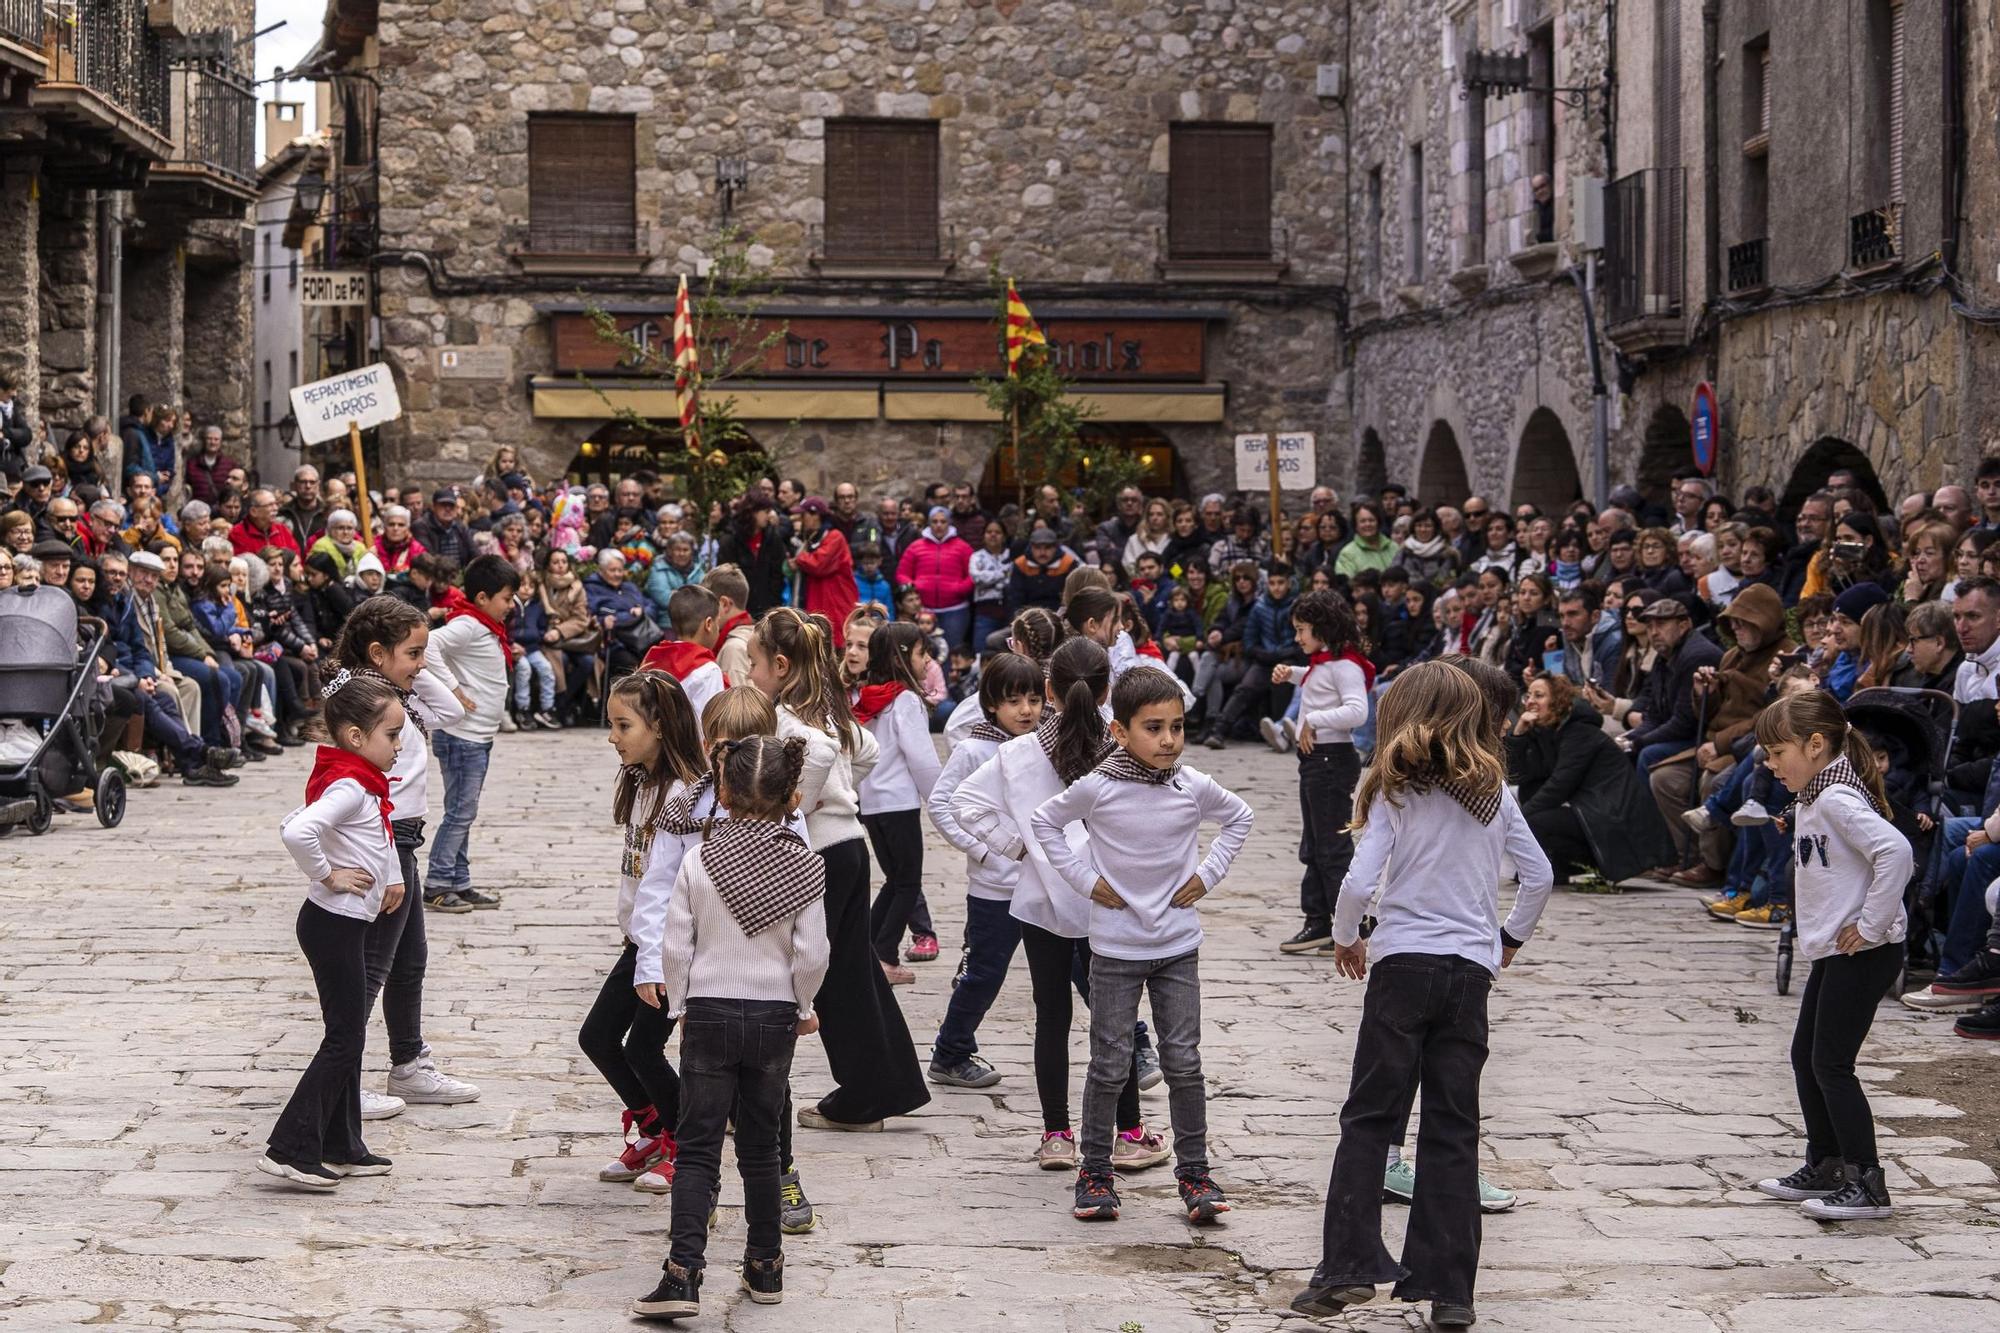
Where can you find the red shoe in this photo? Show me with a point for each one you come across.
(637, 1158)
(923, 949)
(659, 1178)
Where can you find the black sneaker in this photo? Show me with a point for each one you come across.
(1312, 935)
(1202, 1197)
(677, 1297)
(310, 1175)
(966, 1072)
(484, 902)
(1096, 1197)
(1320, 1298)
(249, 754)
(366, 1165)
(795, 1210)
(1814, 1180)
(1981, 976)
(1982, 1026)
(764, 1279)
(221, 756)
(1863, 1197)
(1452, 1314)
(208, 775)
(446, 902)
(1214, 740)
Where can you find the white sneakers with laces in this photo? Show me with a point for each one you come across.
(420, 1082)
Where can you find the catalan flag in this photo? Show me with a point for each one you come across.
(686, 367)
(1022, 331)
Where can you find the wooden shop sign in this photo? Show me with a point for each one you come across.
(892, 344)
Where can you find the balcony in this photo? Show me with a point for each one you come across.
(103, 102)
(213, 123)
(1645, 255)
(1873, 239)
(22, 63)
(917, 252)
(1747, 266)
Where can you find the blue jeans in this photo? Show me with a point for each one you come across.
(954, 625)
(462, 766)
(1966, 876)
(991, 936)
(1659, 750)
(534, 667)
(220, 686)
(986, 618)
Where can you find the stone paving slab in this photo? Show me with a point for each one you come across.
(156, 1013)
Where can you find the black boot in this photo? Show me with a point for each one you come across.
(677, 1297)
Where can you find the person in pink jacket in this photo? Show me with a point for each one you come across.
(939, 563)
(826, 567)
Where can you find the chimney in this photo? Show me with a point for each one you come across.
(283, 122)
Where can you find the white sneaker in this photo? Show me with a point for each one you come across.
(378, 1106)
(507, 723)
(1698, 819)
(1929, 1001)
(1272, 736)
(258, 724)
(1750, 814)
(420, 1082)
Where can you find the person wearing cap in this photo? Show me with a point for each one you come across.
(1845, 631)
(1663, 721)
(1038, 574)
(32, 499)
(825, 566)
(139, 647)
(55, 557)
(441, 531)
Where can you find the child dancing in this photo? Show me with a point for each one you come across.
(1436, 819)
(746, 950)
(1852, 869)
(891, 707)
(1143, 813)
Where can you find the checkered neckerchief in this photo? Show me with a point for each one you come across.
(1482, 806)
(763, 871)
(1120, 766)
(987, 731)
(1839, 773)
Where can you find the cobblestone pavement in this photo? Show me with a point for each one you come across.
(155, 1013)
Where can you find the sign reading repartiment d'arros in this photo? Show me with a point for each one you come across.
(364, 398)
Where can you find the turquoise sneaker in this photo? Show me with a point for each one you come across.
(1399, 1183)
(1493, 1199)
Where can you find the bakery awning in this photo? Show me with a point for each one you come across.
(777, 400)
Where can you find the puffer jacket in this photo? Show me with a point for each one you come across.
(941, 569)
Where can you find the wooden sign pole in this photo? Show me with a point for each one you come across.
(360, 483)
(1277, 508)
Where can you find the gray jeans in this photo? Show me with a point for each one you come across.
(1175, 984)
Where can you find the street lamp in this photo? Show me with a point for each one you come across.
(288, 429)
(731, 174)
(311, 190)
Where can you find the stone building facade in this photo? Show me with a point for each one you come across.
(126, 175)
(1057, 129)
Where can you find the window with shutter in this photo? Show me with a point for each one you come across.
(581, 185)
(882, 189)
(1219, 192)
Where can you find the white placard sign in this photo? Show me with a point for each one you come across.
(1297, 462)
(366, 397)
(333, 288)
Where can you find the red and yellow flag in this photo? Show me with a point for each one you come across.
(1022, 331)
(685, 368)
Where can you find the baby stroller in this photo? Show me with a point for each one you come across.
(49, 685)
(1916, 728)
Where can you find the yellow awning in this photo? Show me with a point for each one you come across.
(1196, 403)
(569, 401)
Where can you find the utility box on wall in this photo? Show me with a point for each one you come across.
(1586, 212)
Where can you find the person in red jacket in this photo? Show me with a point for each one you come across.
(939, 563)
(825, 565)
(260, 527)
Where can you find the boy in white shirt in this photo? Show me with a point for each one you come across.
(1144, 812)
(472, 653)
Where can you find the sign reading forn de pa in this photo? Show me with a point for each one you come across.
(333, 289)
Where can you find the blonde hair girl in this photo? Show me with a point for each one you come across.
(1434, 730)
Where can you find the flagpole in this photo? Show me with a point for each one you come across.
(1020, 481)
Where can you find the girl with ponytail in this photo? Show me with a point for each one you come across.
(1851, 872)
(1034, 634)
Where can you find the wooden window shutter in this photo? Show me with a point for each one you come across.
(882, 189)
(1219, 192)
(1897, 10)
(581, 183)
(1764, 89)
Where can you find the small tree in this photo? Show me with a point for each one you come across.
(731, 342)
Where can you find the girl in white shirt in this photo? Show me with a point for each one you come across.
(625, 1034)
(891, 707)
(867, 1043)
(1333, 702)
(1852, 869)
(389, 638)
(341, 842)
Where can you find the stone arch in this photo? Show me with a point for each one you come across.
(1441, 477)
(1666, 453)
(1544, 466)
(1371, 466)
(1828, 455)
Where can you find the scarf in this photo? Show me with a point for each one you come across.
(457, 605)
(762, 872)
(1568, 573)
(1429, 550)
(679, 658)
(1484, 807)
(332, 763)
(1050, 727)
(874, 701)
(984, 730)
(740, 618)
(1120, 766)
(1347, 654)
(1839, 773)
(1150, 649)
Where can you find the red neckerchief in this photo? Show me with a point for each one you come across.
(740, 618)
(679, 658)
(1344, 655)
(1150, 649)
(875, 700)
(332, 764)
(457, 604)
(756, 542)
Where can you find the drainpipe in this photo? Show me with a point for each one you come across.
(110, 298)
(1711, 193)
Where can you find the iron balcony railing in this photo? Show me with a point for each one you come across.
(214, 120)
(105, 46)
(1871, 238)
(1746, 265)
(21, 22)
(1646, 244)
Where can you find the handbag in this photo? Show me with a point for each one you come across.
(641, 636)
(588, 642)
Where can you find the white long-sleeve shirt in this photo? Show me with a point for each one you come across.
(988, 874)
(827, 786)
(1852, 869)
(907, 766)
(995, 805)
(343, 830)
(1438, 872)
(706, 953)
(1143, 840)
(471, 655)
(968, 714)
(410, 779)
(1333, 702)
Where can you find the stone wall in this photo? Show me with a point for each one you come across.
(151, 336)
(217, 378)
(68, 255)
(20, 262)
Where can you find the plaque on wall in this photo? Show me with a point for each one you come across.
(474, 362)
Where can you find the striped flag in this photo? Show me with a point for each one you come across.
(1022, 331)
(685, 368)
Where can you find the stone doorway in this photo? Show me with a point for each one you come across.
(1371, 467)
(1667, 453)
(1441, 478)
(1544, 467)
(1830, 454)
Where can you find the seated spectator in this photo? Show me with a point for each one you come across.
(1582, 800)
(1933, 651)
(342, 541)
(617, 605)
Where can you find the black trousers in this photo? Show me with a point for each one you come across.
(1254, 697)
(898, 839)
(1835, 1013)
(736, 1056)
(294, 687)
(867, 1043)
(626, 1039)
(1055, 963)
(1326, 807)
(322, 1121)
(1559, 833)
(398, 953)
(1423, 1024)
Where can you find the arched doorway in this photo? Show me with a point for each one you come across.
(1544, 467)
(1371, 467)
(1829, 455)
(1667, 453)
(1441, 478)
